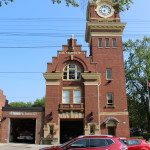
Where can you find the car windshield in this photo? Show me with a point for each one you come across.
(65, 144)
(124, 142)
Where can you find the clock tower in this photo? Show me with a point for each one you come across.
(104, 34)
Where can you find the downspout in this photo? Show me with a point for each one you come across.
(98, 95)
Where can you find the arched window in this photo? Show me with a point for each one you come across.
(72, 72)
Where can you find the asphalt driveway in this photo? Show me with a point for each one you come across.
(14, 146)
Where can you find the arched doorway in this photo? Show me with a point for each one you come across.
(111, 124)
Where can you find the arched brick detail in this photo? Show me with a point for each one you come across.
(76, 60)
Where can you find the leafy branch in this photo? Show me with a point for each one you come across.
(119, 5)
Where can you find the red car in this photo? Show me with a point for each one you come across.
(136, 144)
(92, 142)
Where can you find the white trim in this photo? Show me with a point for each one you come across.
(90, 83)
(52, 83)
(36, 129)
(113, 113)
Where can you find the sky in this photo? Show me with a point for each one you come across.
(31, 33)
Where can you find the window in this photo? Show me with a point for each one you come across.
(71, 95)
(109, 98)
(98, 143)
(109, 141)
(133, 142)
(109, 74)
(72, 72)
(66, 96)
(114, 43)
(77, 96)
(107, 43)
(99, 42)
(79, 144)
(92, 129)
(51, 129)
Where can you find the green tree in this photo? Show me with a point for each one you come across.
(120, 5)
(137, 67)
(39, 103)
(21, 104)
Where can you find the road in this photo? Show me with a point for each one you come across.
(14, 146)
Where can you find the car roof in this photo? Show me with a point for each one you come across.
(95, 136)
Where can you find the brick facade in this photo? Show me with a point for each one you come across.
(2, 102)
(97, 115)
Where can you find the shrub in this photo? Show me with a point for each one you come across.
(146, 136)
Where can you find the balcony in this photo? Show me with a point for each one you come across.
(71, 107)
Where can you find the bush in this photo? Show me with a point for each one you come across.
(146, 136)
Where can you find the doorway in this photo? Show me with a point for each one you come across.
(22, 130)
(70, 129)
(112, 131)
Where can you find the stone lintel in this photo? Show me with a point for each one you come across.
(90, 76)
(53, 76)
(113, 113)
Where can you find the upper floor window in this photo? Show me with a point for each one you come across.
(107, 42)
(66, 96)
(108, 74)
(71, 95)
(72, 72)
(77, 96)
(114, 42)
(99, 42)
(109, 98)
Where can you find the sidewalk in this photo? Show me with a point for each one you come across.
(18, 146)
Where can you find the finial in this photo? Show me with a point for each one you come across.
(72, 36)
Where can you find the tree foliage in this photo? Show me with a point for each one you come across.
(37, 103)
(21, 104)
(137, 67)
(120, 5)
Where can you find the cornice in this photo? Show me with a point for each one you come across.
(54, 76)
(106, 25)
(105, 34)
(104, 29)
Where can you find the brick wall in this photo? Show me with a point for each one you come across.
(2, 102)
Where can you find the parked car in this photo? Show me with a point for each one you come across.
(136, 144)
(25, 135)
(92, 142)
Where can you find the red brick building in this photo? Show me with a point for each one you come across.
(87, 95)
(2, 102)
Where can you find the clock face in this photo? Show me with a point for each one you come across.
(105, 10)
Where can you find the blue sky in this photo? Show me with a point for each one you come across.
(31, 33)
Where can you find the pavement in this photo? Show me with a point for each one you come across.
(18, 146)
